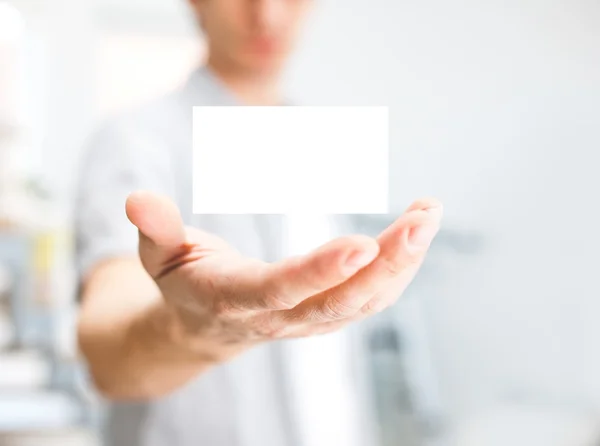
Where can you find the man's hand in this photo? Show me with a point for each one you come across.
(199, 302)
(227, 302)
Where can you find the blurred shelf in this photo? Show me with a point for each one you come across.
(35, 411)
(5, 280)
(15, 256)
(63, 437)
(7, 332)
(23, 370)
(40, 389)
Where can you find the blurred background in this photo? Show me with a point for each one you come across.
(495, 109)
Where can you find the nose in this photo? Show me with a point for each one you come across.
(269, 14)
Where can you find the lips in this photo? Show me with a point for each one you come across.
(263, 45)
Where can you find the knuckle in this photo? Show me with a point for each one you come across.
(274, 301)
(308, 314)
(279, 331)
(268, 327)
(374, 306)
(392, 268)
(412, 260)
(395, 267)
(333, 308)
(320, 274)
(370, 308)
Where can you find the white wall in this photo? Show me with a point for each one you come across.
(64, 37)
(495, 109)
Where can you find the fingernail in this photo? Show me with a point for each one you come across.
(438, 211)
(357, 260)
(422, 236)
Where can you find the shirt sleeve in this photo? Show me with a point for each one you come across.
(119, 159)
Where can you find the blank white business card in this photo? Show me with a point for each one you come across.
(290, 160)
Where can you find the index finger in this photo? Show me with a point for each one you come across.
(283, 285)
(403, 246)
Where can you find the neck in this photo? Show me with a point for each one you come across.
(250, 88)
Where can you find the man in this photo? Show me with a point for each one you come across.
(183, 310)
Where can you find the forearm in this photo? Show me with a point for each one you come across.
(138, 359)
(136, 347)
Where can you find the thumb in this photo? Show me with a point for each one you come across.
(161, 230)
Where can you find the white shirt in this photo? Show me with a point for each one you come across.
(277, 394)
(322, 393)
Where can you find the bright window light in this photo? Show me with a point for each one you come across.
(11, 23)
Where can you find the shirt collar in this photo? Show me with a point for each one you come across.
(205, 88)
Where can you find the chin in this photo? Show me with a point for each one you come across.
(264, 65)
